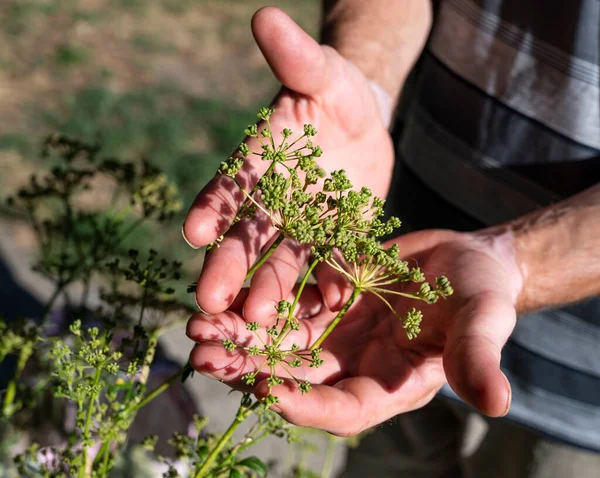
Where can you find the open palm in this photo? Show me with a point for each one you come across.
(372, 371)
(321, 88)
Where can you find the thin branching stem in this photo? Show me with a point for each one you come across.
(340, 315)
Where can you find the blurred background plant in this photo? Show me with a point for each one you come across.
(82, 368)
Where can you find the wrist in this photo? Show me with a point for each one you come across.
(556, 251)
(501, 244)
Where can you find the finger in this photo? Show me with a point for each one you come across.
(349, 407)
(225, 267)
(295, 58)
(215, 207)
(472, 354)
(228, 325)
(211, 357)
(212, 360)
(274, 281)
(334, 286)
(309, 306)
(301, 65)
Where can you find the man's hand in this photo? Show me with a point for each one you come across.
(372, 371)
(321, 88)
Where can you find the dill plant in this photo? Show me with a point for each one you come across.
(341, 226)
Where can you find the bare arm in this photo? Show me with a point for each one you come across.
(383, 38)
(556, 249)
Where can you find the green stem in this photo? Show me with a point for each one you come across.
(88, 424)
(241, 415)
(103, 449)
(157, 391)
(267, 254)
(329, 455)
(11, 390)
(301, 286)
(242, 446)
(287, 326)
(150, 352)
(252, 191)
(105, 462)
(338, 317)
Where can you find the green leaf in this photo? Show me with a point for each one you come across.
(235, 473)
(187, 373)
(254, 463)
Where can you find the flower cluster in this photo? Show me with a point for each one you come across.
(341, 226)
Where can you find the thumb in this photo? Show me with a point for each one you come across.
(472, 353)
(295, 58)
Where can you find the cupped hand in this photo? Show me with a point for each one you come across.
(372, 371)
(319, 87)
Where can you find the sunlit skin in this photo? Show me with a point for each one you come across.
(372, 371)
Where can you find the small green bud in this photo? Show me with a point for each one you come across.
(304, 387)
(244, 149)
(317, 151)
(272, 381)
(309, 130)
(270, 400)
(265, 113)
(283, 307)
(443, 286)
(253, 326)
(411, 323)
(249, 378)
(253, 351)
(229, 345)
(251, 130)
(416, 275)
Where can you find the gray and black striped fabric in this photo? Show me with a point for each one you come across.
(504, 118)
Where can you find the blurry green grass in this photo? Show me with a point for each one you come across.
(158, 124)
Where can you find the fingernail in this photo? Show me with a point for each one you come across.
(187, 240)
(198, 305)
(509, 400)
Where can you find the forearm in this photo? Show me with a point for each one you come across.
(557, 250)
(383, 38)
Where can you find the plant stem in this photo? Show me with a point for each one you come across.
(287, 326)
(88, 424)
(157, 391)
(252, 191)
(301, 286)
(267, 254)
(145, 370)
(329, 455)
(105, 462)
(11, 391)
(241, 415)
(103, 449)
(241, 447)
(338, 317)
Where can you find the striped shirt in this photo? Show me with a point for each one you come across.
(503, 117)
